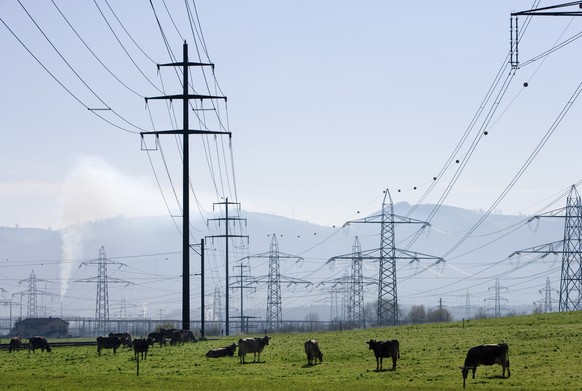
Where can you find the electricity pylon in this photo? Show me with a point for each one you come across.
(547, 293)
(274, 279)
(497, 299)
(227, 236)
(354, 282)
(102, 297)
(387, 312)
(570, 248)
(32, 294)
(185, 132)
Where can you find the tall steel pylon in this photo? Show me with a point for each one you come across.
(356, 313)
(548, 300)
(497, 299)
(274, 279)
(102, 297)
(387, 311)
(571, 250)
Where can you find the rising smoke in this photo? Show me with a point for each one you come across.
(95, 190)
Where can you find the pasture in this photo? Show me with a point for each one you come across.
(544, 352)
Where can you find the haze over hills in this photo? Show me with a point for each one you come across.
(145, 263)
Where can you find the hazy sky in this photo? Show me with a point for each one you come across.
(329, 103)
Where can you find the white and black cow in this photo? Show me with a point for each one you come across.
(222, 352)
(252, 345)
(38, 343)
(486, 355)
(108, 343)
(313, 352)
(385, 349)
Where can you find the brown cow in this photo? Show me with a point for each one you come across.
(252, 345)
(38, 343)
(222, 352)
(313, 352)
(108, 343)
(15, 344)
(486, 355)
(385, 349)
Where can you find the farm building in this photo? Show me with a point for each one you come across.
(46, 327)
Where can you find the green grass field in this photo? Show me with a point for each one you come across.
(544, 353)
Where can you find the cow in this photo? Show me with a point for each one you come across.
(222, 352)
(108, 343)
(486, 355)
(385, 349)
(140, 345)
(191, 336)
(179, 337)
(124, 337)
(252, 345)
(38, 343)
(15, 344)
(156, 337)
(313, 352)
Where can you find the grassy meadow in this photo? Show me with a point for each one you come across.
(544, 351)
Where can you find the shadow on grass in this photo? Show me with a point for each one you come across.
(385, 370)
(253, 362)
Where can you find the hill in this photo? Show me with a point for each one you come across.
(146, 263)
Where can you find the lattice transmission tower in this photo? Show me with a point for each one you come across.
(387, 310)
(497, 308)
(274, 279)
(102, 297)
(547, 293)
(571, 250)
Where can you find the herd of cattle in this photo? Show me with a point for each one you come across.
(489, 354)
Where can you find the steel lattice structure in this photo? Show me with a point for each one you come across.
(571, 251)
(497, 299)
(356, 311)
(387, 310)
(102, 297)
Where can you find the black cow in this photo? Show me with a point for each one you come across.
(141, 345)
(38, 343)
(124, 337)
(222, 352)
(156, 337)
(108, 343)
(252, 345)
(385, 349)
(313, 352)
(486, 355)
(15, 344)
(179, 337)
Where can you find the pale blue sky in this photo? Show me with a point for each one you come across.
(329, 103)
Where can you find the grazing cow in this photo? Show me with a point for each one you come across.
(191, 336)
(486, 355)
(108, 343)
(222, 352)
(252, 345)
(179, 337)
(15, 344)
(140, 345)
(313, 352)
(385, 349)
(38, 343)
(156, 337)
(125, 338)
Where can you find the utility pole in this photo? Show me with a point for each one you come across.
(185, 132)
(387, 312)
(244, 282)
(102, 297)
(570, 248)
(227, 235)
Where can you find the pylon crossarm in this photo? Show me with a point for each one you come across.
(551, 247)
(416, 256)
(553, 213)
(545, 11)
(366, 254)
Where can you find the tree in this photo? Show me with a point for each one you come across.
(417, 314)
(439, 315)
(312, 318)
